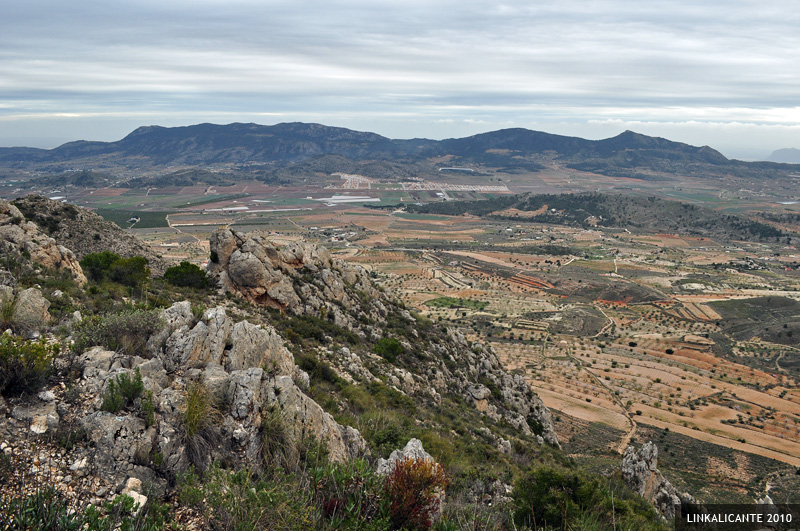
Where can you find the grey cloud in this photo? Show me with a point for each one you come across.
(516, 61)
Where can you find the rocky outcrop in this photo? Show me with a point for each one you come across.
(412, 450)
(85, 232)
(305, 279)
(247, 371)
(478, 368)
(640, 472)
(23, 237)
(299, 277)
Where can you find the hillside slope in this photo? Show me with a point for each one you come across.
(280, 396)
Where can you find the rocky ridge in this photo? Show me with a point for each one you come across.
(22, 237)
(85, 232)
(303, 279)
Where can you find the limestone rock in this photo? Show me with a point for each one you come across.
(412, 450)
(41, 415)
(133, 488)
(254, 346)
(22, 236)
(640, 472)
(266, 273)
(30, 309)
(85, 232)
(305, 418)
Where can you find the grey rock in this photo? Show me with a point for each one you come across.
(412, 450)
(640, 472)
(24, 236)
(254, 346)
(305, 418)
(203, 344)
(30, 309)
(176, 316)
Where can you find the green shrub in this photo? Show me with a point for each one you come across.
(414, 489)
(7, 319)
(186, 275)
(308, 327)
(239, 501)
(126, 331)
(131, 271)
(122, 391)
(200, 421)
(148, 409)
(388, 348)
(24, 365)
(97, 266)
(276, 448)
(349, 496)
(47, 510)
(562, 499)
(106, 265)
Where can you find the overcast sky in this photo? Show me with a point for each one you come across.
(724, 73)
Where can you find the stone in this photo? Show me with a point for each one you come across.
(46, 396)
(640, 471)
(412, 450)
(78, 464)
(202, 345)
(97, 358)
(133, 488)
(30, 309)
(254, 346)
(305, 418)
(24, 236)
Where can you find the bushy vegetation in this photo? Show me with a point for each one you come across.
(309, 328)
(388, 348)
(122, 391)
(414, 489)
(318, 494)
(124, 331)
(47, 510)
(186, 275)
(105, 265)
(559, 498)
(24, 365)
(453, 302)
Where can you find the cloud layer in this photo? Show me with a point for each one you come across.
(697, 70)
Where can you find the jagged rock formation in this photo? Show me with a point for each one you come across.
(640, 471)
(23, 237)
(304, 279)
(246, 367)
(85, 232)
(412, 450)
(299, 277)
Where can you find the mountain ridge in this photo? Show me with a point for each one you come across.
(284, 150)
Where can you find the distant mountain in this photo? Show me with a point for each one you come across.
(284, 146)
(787, 156)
